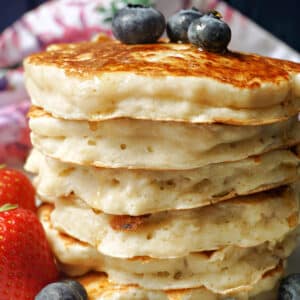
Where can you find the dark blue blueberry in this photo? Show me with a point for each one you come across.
(289, 288)
(137, 24)
(3, 82)
(178, 24)
(75, 285)
(64, 290)
(210, 33)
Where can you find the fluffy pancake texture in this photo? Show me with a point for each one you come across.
(138, 192)
(171, 170)
(224, 271)
(106, 79)
(100, 288)
(244, 221)
(144, 144)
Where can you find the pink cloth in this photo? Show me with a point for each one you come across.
(52, 22)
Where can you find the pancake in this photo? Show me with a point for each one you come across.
(100, 288)
(222, 271)
(138, 192)
(144, 144)
(106, 79)
(244, 221)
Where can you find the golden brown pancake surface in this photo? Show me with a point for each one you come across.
(90, 58)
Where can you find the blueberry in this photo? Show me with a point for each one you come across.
(178, 24)
(138, 24)
(289, 288)
(75, 285)
(64, 290)
(210, 33)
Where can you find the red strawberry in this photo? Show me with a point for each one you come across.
(16, 188)
(26, 261)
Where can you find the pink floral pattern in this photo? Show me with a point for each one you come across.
(14, 132)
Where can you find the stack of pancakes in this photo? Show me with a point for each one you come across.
(166, 172)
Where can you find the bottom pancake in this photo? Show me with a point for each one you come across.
(224, 271)
(100, 288)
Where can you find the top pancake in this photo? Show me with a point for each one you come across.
(164, 81)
